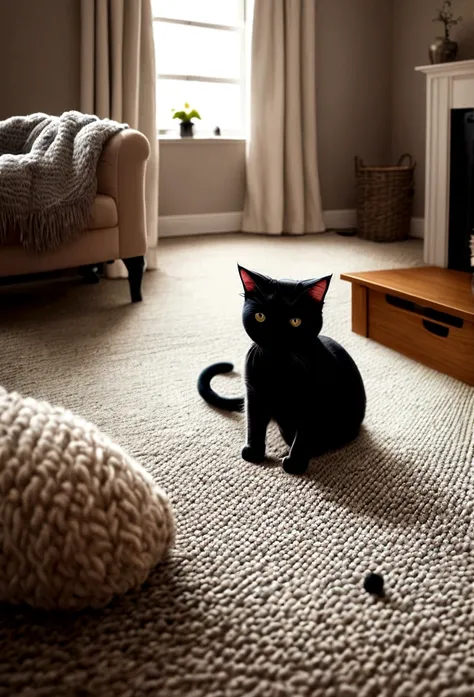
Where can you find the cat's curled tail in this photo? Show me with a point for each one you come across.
(211, 397)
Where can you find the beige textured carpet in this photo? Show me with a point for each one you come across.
(263, 596)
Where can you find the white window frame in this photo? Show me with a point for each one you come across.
(241, 28)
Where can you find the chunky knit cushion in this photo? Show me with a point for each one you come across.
(80, 521)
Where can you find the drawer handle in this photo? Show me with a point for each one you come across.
(437, 329)
(436, 315)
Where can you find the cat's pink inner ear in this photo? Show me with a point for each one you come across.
(319, 289)
(247, 280)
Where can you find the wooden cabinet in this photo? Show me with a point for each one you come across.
(425, 313)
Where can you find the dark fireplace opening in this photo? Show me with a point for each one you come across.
(461, 192)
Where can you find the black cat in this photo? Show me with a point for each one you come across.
(307, 383)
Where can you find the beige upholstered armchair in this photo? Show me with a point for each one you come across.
(117, 229)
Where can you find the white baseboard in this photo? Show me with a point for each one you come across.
(417, 228)
(210, 223)
(202, 224)
(340, 220)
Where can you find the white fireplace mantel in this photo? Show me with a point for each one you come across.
(449, 86)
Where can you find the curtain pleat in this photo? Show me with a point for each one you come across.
(283, 194)
(118, 81)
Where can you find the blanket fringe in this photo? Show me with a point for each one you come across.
(43, 231)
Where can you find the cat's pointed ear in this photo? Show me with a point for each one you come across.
(251, 280)
(317, 289)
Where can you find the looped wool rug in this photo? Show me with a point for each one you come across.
(262, 595)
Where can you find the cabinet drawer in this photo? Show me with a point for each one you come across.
(443, 342)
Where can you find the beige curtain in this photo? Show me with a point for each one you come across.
(118, 81)
(282, 172)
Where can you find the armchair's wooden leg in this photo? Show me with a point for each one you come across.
(135, 267)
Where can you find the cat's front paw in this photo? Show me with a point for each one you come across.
(292, 466)
(254, 455)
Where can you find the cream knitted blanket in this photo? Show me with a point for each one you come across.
(48, 176)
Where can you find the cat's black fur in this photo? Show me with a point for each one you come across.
(306, 382)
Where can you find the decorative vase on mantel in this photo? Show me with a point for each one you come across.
(443, 50)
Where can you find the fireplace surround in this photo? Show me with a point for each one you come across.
(449, 186)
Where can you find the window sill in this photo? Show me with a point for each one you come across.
(201, 139)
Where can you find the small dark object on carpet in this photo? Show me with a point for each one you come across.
(373, 584)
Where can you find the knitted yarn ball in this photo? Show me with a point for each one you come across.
(80, 521)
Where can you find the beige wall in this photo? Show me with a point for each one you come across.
(354, 88)
(201, 178)
(413, 31)
(39, 56)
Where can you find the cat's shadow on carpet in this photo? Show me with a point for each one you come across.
(375, 479)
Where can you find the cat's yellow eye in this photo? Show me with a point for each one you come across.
(295, 322)
(260, 317)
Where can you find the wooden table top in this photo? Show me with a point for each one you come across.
(441, 289)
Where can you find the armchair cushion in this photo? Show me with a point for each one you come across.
(104, 213)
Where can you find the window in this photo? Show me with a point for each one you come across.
(200, 59)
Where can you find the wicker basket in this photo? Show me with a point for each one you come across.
(385, 200)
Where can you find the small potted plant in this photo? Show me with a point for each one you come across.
(186, 116)
(443, 50)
